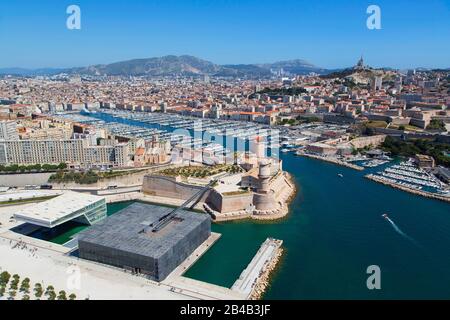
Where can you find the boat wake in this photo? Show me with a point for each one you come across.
(400, 232)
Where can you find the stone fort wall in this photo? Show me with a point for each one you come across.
(169, 187)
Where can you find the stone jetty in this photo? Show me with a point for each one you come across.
(254, 280)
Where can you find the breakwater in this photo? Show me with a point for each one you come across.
(264, 279)
(406, 189)
(254, 280)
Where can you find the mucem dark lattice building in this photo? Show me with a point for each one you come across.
(125, 240)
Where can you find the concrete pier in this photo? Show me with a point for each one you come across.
(255, 278)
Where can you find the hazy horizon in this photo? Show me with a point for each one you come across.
(222, 64)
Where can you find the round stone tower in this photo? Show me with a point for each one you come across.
(264, 176)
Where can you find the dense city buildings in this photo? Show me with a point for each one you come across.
(351, 95)
(75, 145)
(99, 121)
(226, 151)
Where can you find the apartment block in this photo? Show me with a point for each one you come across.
(75, 152)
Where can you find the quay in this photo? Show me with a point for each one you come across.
(254, 279)
(101, 281)
(331, 160)
(406, 189)
(50, 263)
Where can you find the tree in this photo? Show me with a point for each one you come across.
(437, 125)
(12, 168)
(420, 146)
(4, 278)
(72, 297)
(2, 291)
(12, 294)
(62, 166)
(50, 293)
(15, 282)
(402, 127)
(38, 291)
(49, 288)
(62, 295)
(25, 287)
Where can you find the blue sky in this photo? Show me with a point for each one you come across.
(328, 33)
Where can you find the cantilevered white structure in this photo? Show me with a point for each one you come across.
(83, 208)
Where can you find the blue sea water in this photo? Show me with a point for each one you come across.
(334, 232)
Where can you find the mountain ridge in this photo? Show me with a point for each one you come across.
(184, 65)
(172, 65)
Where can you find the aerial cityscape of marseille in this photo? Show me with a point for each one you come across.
(224, 150)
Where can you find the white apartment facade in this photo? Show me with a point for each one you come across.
(74, 152)
(8, 130)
